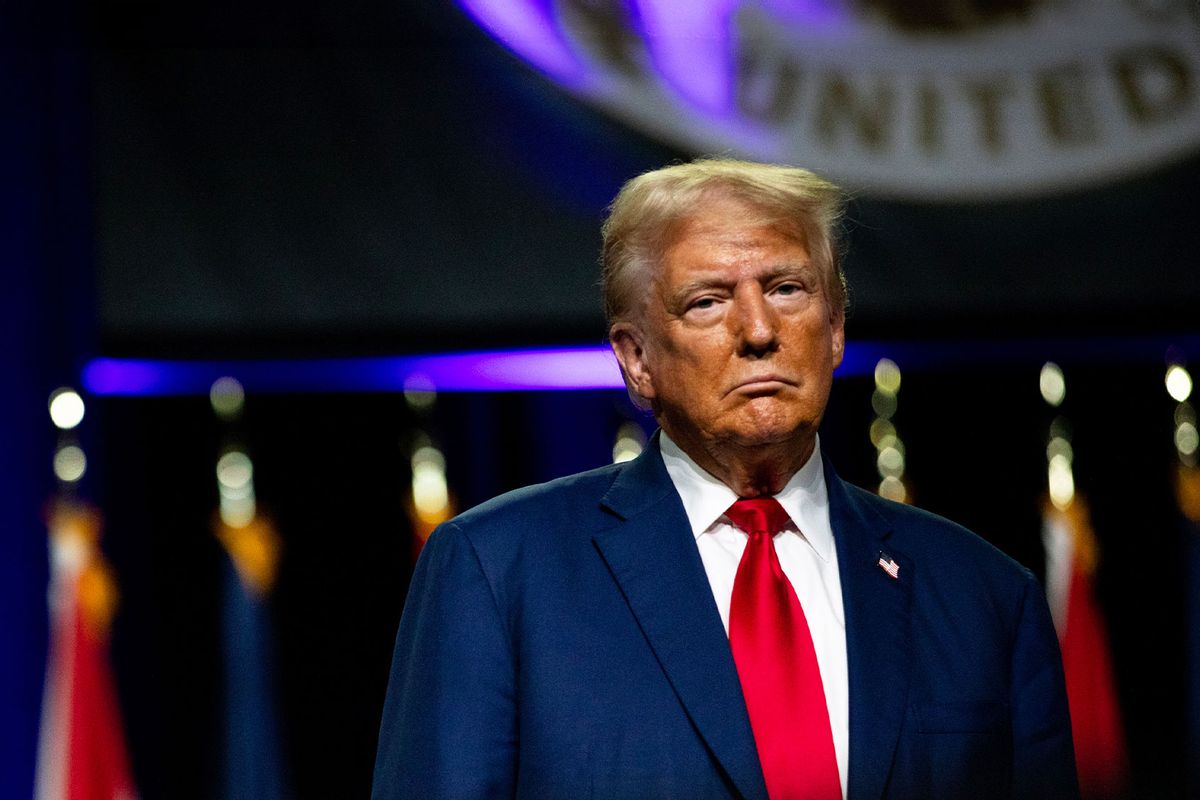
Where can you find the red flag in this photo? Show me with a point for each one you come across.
(1100, 755)
(81, 753)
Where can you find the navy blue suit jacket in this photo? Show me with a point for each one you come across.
(562, 641)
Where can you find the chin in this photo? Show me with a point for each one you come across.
(759, 433)
(771, 422)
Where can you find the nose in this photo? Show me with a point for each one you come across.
(757, 323)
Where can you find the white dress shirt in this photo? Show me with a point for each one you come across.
(806, 553)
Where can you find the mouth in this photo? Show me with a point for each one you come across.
(762, 384)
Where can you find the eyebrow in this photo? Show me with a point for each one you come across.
(714, 280)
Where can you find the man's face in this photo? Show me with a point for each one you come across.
(738, 343)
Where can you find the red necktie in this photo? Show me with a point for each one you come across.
(777, 665)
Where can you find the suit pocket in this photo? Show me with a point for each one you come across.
(965, 717)
(960, 750)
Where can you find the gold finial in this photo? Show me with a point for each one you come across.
(254, 549)
(75, 539)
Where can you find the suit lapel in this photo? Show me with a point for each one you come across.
(877, 637)
(653, 558)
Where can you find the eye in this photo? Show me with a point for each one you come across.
(703, 309)
(789, 288)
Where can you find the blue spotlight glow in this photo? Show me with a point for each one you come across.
(562, 368)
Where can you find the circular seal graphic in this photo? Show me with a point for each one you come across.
(949, 100)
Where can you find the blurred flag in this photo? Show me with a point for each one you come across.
(253, 766)
(1187, 491)
(1071, 559)
(81, 748)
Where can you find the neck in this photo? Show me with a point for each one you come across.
(750, 471)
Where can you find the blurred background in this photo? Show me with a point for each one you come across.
(286, 284)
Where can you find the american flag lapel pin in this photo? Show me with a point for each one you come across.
(889, 565)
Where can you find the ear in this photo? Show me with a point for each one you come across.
(837, 326)
(626, 340)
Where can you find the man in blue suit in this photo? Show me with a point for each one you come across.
(722, 617)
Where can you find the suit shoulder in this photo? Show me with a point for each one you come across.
(937, 540)
(570, 501)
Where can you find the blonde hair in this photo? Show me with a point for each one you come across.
(650, 207)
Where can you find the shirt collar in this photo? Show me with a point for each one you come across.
(705, 498)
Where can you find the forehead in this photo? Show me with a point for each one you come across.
(725, 230)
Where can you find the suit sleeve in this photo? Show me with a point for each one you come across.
(449, 721)
(1043, 753)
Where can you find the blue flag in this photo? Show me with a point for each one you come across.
(253, 756)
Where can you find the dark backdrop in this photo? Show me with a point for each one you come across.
(386, 176)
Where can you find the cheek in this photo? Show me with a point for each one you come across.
(684, 359)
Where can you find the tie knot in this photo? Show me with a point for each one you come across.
(758, 515)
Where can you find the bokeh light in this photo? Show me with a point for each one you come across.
(227, 397)
(1187, 439)
(884, 403)
(887, 376)
(1179, 383)
(70, 463)
(890, 462)
(234, 470)
(883, 433)
(419, 392)
(892, 488)
(1061, 482)
(66, 408)
(1052, 383)
(1060, 447)
(430, 493)
(629, 443)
